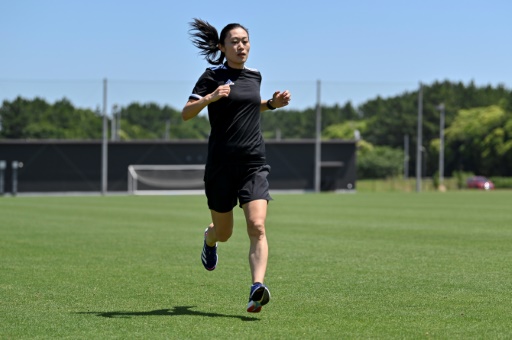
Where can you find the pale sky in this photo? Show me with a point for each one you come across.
(357, 49)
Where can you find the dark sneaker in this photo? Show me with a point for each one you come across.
(209, 255)
(259, 297)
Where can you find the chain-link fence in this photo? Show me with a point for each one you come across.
(89, 93)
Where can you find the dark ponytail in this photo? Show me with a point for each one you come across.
(205, 37)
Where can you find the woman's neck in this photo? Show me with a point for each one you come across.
(236, 65)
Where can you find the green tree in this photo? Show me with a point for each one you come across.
(302, 124)
(18, 114)
(391, 118)
(36, 119)
(481, 139)
(379, 162)
(149, 121)
(346, 130)
(289, 123)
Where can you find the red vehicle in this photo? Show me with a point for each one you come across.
(479, 182)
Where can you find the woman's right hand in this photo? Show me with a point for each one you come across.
(194, 106)
(221, 92)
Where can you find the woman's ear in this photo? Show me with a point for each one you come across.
(221, 48)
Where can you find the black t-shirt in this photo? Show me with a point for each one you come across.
(235, 136)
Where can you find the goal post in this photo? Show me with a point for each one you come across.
(146, 179)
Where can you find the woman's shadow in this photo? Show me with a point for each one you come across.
(175, 311)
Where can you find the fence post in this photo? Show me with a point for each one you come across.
(318, 139)
(2, 170)
(15, 165)
(104, 145)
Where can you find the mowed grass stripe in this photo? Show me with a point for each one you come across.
(341, 266)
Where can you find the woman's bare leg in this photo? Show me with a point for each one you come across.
(255, 215)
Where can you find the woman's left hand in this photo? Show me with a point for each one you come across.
(280, 99)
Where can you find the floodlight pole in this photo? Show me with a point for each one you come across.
(419, 141)
(318, 140)
(104, 144)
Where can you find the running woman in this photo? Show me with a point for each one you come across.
(236, 169)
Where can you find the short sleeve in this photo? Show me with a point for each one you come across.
(204, 85)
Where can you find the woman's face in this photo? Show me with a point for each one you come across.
(236, 47)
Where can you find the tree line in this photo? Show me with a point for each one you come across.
(478, 127)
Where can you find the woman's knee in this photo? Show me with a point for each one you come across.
(223, 231)
(256, 228)
(223, 225)
(223, 234)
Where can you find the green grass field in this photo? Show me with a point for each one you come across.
(346, 266)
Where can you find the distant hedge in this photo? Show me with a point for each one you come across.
(502, 182)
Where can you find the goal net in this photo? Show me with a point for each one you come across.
(165, 179)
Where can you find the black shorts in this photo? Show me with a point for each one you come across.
(227, 184)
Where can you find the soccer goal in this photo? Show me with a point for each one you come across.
(165, 179)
